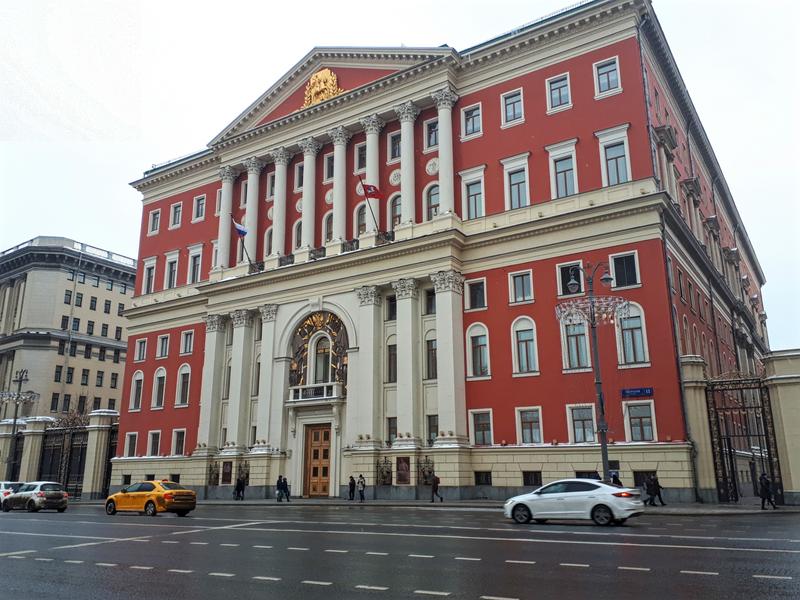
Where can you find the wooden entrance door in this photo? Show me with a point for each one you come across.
(316, 476)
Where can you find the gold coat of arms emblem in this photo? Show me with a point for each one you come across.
(322, 86)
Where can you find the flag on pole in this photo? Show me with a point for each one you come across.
(371, 191)
(241, 230)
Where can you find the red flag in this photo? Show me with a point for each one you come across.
(371, 191)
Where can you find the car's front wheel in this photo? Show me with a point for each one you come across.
(6, 507)
(150, 509)
(521, 514)
(602, 515)
(31, 506)
(111, 508)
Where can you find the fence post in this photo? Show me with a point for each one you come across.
(783, 382)
(94, 471)
(32, 448)
(694, 393)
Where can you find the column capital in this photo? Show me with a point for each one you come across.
(310, 146)
(214, 323)
(448, 281)
(444, 98)
(405, 288)
(368, 295)
(268, 311)
(340, 135)
(372, 124)
(281, 156)
(407, 112)
(228, 174)
(254, 165)
(241, 318)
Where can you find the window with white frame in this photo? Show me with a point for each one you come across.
(159, 388)
(581, 421)
(475, 298)
(270, 185)
(149, 278)
(431, 128)
(471, 121)
(432, 202)
(360, 157)
(472, 192)
(431, 368)
(327, 168)
(606, 78)
(563, 178)
(218, 202)
(632, 337)
(515, 181)
(481, 426)
(243, 194)
(175, 213)
(478, 347)
(360, 222)
(298, 234)
(529, 425)
(178, 442)
(615, 164)
(640, 423)
(575, 342)
(214, 253)
(625, 269)
(327, 227)
(323, 366)
(523, 336)
(154, 221)
(199, 208)
(154, 445)
(394, 214)
(298, 176)
(569, 272)
(393, 147)
(130, 444)
(187, 342)
(171, 271)
(137, 386)
(512, 111)
(195, 261)
(184, 381)
(141, 349)
(558, 93)
(163, 346)
(520, 286)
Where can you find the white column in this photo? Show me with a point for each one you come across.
(211, 386)
(268, 314)
(310, 147)
(409, 353)
(239, 397)
(340, 137)
(407, 113)
(254, 167)
(373, 125)
(449, 286)
(445, 99)
(228, 176)
(281, 158)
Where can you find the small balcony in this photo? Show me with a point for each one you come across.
(316, 392)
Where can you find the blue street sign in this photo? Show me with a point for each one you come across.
(637, 392)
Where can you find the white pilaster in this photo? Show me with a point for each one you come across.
(409, 420)
(445, 99)
(449, 286)
(310, 147)
(211, 386)
(254, 167)
(407, 113)
(340, 137)
(373, 125)
(268, 314)
(228, 176)
(239, 397)
(281, 158)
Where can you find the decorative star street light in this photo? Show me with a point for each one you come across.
(593, 310)
(18, 398)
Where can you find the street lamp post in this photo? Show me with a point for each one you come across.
(592, 309)
(19, 397)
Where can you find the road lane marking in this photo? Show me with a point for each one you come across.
(59, 535)
(141, 568)
(17, 556)
(582, 565)
(376, 588)
(266, 578)
(420, 556)
(497, 598)
(105, 564)
(180, 571)
(74, 562)
(633, 568)
(214, 574)
(263, 547)
(312, 582)
(377, 553)
(44, 559)
(521, 562)
(17, 552)
(230, 545)
(466, 558)
(295, 548)
(699, 572)
(773, 577)
(338, 551)
(202, 529)
(198, 543)
(169, 542)
(431, 593)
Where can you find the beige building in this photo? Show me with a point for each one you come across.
(61, 307)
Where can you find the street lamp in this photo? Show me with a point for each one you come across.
(18, 398)
(593, 309)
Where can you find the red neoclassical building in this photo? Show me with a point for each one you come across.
(416, 330)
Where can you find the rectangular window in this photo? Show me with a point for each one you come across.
(328, 169)
(391, 363)
(90, 327)
(430, 359)
(183, 397)
(681, 289)
(84, 376)
(530, 427)
(512, 107)
(624, 270)
(107, 307)
(64, 322)
(99, 380)
(123, 288)
(104, 330)
(95, 281)
(558, 92)
(81, 277)
(155, 443)
(163, 346)
(73, 348)
(391, 430)
(582, 424)
(172, 273)
(114, 380)
(479, 350)
(394, 146)
(517, 187)
(179, 439)
(116, 356)
(57, 375)
(577, 356)
(109, 285)
(482, 423)
(194, 267)
(607, 77)
(67, 296)
(65, 403)
(93, 303)
(199, 209)
(474, 192)
(54, 402)
(141, 349)
(271, 185)
(155, 220)
(632, 340)
(81, 404)
(101, 355)
(243, 195)
(430, 302)
(79, 299)
(526, 355)
(532, 478)
(521, 287)
(120, 309)
(130, 448)
(431, 134)
(471, 121)
(565, 177)
(187, 342)
(112, 404)
(391, 308)
(158, 393)
(298, 176)
(76, 324)
(62, 345)
(616, 163)
(476, 294)
(690, 294)
(433, 429)
(483, 478)
(567, 274)
(118, 333)
(70, 275)
(96, 403)
(361, 157)
(149, 278)
(136, 403)
(87, 351)
(175, 215)
(640, 420)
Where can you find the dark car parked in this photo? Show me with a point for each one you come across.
(37, 495)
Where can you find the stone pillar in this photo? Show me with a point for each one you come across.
(239, 397)
(281, 158)
(373, 125)
(697, 427)
(340, 137)
(254, 167)
(310, 147)
(407, 113)
(445, 99)
(277, 415)
(783, 382)
(265, 398)
(228, 176)
(6, 427)
(32, 448)
(449, 286)
(211, 386)
(94, 471)
(409, 420)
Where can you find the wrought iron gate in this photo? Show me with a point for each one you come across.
(742, 437)
(64, 458)
(17, 445)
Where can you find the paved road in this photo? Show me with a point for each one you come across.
(393, 552)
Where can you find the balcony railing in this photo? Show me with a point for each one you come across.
(315, 391)
(384, 237)
(286, 260)
(316, 253)
(256, 267)
(350, 245)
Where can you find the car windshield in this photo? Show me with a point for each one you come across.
(51, 487)
(168, 485)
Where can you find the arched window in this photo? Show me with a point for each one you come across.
(361, 219)
(226, 383)
(432, 203)
(632, 337)
(575, 345)
(328, 227)
(711, 360)
(696, 340)
(322, 360)
(703, 346)
(394, 212)
(523, 346)
(687, 343)
(478, 351)
(431, 366)
(159, 387)
(256, 376)
(137, 385)
(298, 235)
(268, 242)
(184, 381)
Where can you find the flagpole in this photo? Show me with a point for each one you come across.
(374, 220)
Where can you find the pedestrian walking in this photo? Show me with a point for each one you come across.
(286, 489)
(361, 485)
(279, 488)
(435, 488)
(650, 488)
(765, 491)
(615, 479)
(352, 486)
(239, 488)
(658, 488)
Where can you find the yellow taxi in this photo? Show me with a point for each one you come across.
(151, 498)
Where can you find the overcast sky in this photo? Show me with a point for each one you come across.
(92, 93)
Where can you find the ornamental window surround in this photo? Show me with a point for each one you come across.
(198, 208)
(575, 346)
(631, 335)
(529, 424)
(175, 214)
(567, 271)
(558, 92)
(475, 296)
(516, 192)
(520, 287)
(359, 158)
(523, 347)
(581, 419)
(471, 122)
(607, 79)
(478, 365)
(159, 389)
(615, 163)
(640, 420)
(393, 214)
(137, 385)
(393, 147)
(472, 193)
(481, 427)
(432, 202)
(431, 134)
(624, 268)
(327, 168)
(154, 222)
(512, 110)
(563, 171)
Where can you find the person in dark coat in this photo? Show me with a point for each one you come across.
(352, 486)
(435, 488)
(765, 491)
(239, 488)
(615, 479)
(658, 488)
(286, 489)
(279, 488)
(361, 485)
(650, 488)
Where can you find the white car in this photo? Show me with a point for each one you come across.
(8, 487)
(576, 499)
